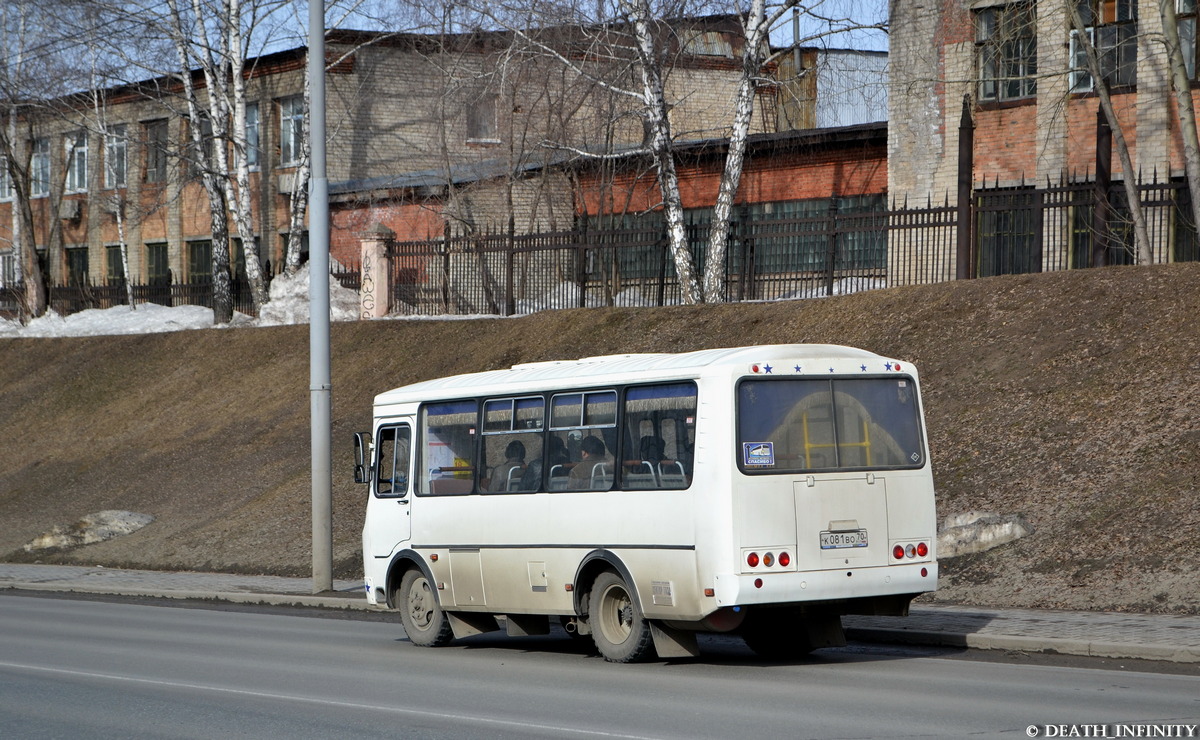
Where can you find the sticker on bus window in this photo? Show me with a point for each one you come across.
(758, 454)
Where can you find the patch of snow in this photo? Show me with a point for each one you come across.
(977, 531)
(566, 295)
(289, 301)
(97, 527)
(147, 318)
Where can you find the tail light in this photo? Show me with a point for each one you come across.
(752, 560)
(919, 550)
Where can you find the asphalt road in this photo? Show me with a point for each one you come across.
(74, 668)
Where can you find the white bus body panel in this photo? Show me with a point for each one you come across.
(519, 553)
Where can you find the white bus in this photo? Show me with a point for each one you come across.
(641, 499)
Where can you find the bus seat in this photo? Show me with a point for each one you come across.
(602, 477)
(671, 474)
(450, 485)
(558, 477)
(515, 473)
(639, 474)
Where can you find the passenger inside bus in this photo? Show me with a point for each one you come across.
(507, 475)
(594, 469)
(532, 479)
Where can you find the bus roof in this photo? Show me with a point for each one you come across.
(609, 369)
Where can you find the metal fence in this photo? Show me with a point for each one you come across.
(790, 250)
(507, 273)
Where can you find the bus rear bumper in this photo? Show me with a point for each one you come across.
(733, 589)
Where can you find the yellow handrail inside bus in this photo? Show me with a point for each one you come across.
(809, 445)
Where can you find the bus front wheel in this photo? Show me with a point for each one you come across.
(621, 633)
(424, 621)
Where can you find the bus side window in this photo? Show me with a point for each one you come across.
(659, 435)
(391, 464)
(583, 436)
(448, 434)
(512, 445)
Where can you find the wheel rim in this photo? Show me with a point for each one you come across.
(420, 604)
(616, 614)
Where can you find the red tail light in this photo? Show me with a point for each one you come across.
(784, 559)
(922, 549)
(898, 552)
(752, 560)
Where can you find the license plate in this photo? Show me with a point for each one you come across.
(838, 540)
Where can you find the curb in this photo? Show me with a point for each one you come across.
(1023, 643)
(234, 597)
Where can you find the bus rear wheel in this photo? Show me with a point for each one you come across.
(621, 633)
(424, 621)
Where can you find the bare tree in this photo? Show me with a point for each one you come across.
(1185, 111)
(1141, 236)
(651, 36)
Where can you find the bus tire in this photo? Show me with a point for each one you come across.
(621, 633)
(424, 621)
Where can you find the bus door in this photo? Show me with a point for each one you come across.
(388, 524)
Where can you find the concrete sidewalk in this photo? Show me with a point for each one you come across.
(1100, 634)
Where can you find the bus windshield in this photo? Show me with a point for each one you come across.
(803, 425)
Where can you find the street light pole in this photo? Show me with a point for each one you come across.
(320, 387)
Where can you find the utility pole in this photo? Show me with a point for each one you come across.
(320, 387)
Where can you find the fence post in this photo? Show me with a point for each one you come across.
(374, 292)
(1100, 212)
(446, 236)
(965, 267)
(510, 272)
(831, 249)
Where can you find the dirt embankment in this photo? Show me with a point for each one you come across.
(1067, 398)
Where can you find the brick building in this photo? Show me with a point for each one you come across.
(1033, 107)
(438, 110)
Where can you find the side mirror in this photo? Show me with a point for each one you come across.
(362, 470)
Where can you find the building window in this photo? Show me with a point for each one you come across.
(115, 149)
(201, 158)
(76, 148)
(39, 168)
(8, 269)
(77, 265)
(6, 191)
(1185, 12)
(1006, 51)
(1111, 28)
(115, 269)
(482, 125)
(291, 130)
(252, 135)
(1008, 242)
(200, 264)
(157, 269)
(706, 43)
(156, 151)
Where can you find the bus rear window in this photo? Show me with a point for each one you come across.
(809, 424)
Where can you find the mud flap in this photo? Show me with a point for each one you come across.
(466, 624)
(673, 643)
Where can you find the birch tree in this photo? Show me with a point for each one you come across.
(184, 29)
(655, 32)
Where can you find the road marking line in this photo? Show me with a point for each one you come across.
(328, 702)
